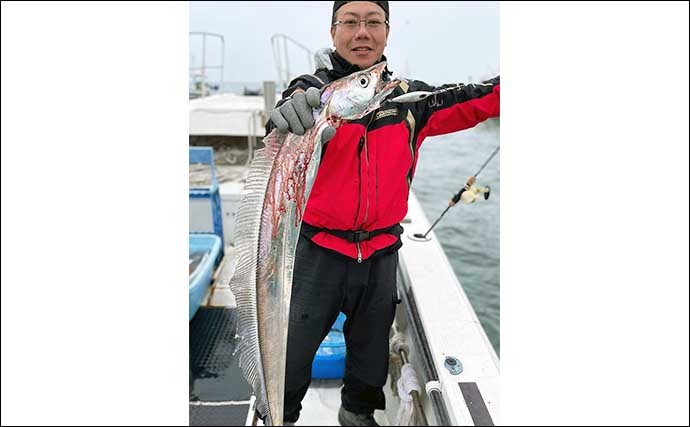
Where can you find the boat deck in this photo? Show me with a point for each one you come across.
(219, 395)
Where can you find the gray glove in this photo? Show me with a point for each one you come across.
(295, 115)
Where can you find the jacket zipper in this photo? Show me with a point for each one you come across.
(365, 141)
(363, 144)
(366, 157)
(359, 174)
(359, 196)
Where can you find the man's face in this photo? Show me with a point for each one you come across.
(358, 42)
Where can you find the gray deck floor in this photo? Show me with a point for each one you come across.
(219, 395)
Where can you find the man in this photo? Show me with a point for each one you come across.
(346, 257)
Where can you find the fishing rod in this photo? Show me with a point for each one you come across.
(467, 194)
(420, 95)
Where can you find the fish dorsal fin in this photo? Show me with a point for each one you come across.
(243, 282)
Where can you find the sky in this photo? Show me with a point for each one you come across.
(437, 42)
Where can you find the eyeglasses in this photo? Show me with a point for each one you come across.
(353, 24)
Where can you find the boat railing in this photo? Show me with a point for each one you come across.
(200, 86)
(279, 43)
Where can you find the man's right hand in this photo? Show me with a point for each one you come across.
(295, 115)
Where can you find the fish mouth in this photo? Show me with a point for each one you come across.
(387, 86)
(383, 85)
(383, 90)
(377, 68)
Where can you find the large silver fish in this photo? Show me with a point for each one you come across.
(268, 223)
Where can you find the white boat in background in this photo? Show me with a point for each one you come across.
(436, 329)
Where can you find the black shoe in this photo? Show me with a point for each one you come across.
(347, 418)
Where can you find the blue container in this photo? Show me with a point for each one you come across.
(329, 362)
(204, 250)
(204, 155)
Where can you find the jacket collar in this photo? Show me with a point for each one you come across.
(342, 68)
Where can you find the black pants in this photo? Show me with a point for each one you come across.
(325, 283)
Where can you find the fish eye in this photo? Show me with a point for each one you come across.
(363, 80)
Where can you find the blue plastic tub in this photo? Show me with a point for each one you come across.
(203, 251)
(204, 155)
(329, 362)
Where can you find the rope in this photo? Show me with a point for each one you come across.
(407, 383)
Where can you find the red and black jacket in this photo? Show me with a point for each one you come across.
(361, 189)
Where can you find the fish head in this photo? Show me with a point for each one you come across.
(354, 96)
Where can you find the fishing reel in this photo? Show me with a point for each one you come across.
(470, 193)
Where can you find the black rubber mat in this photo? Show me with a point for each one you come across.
(214, 375)
(225, 415)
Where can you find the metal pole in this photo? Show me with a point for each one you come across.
(203, 57)
(222, 63)
(287, 62)
(269, 96)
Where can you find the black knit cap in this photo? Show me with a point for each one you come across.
(338, 4)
